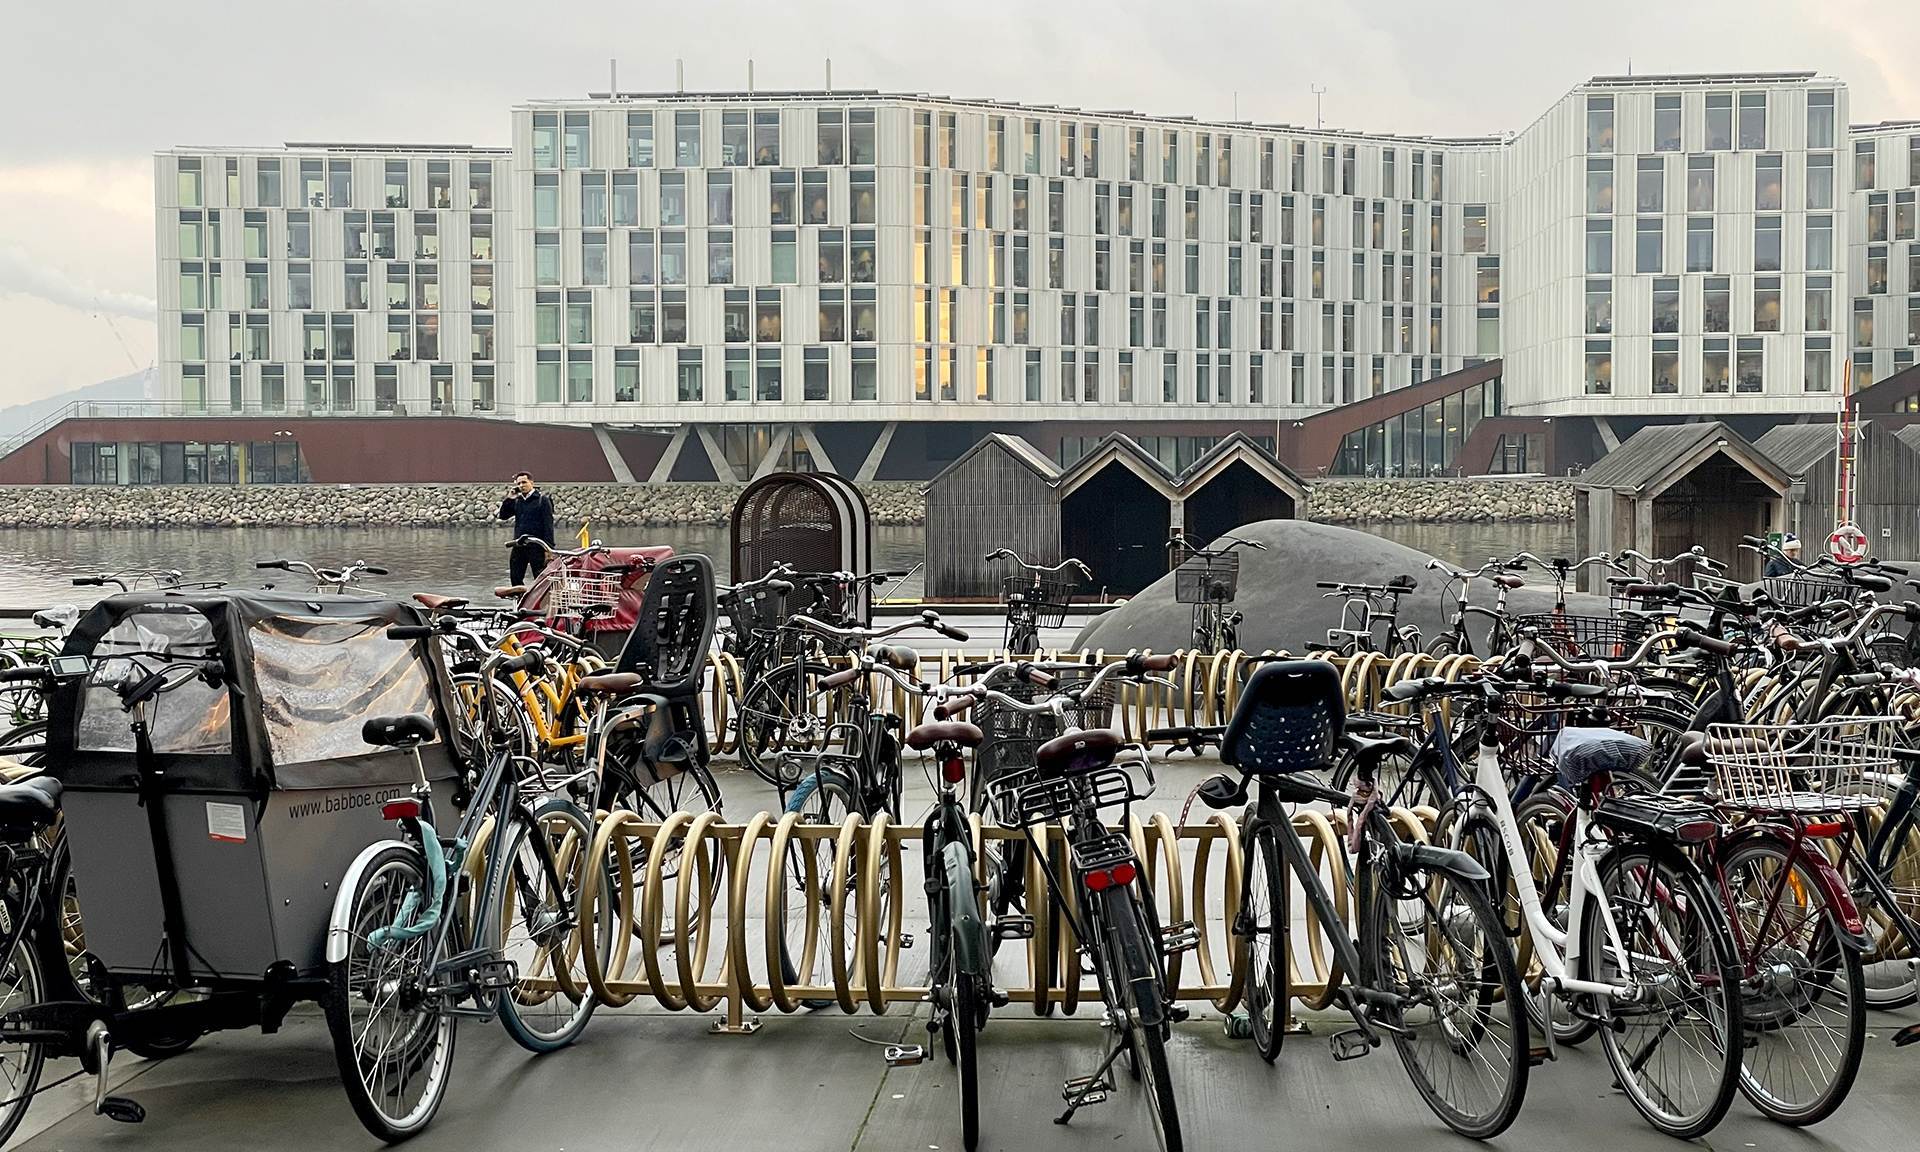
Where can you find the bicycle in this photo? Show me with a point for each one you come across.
(1430, 967)
(1368, 605)
(1073, 778)
(1034, 601)
(1645, 953)
(1208, 579)
(412, 950)
(1457, 640)
(326, 581)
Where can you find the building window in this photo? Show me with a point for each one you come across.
(1863, 164)
(1699, 243)
(1817, 372)
(266, 182)
(1766, 243)
(1650, 184)
(1819, 316)
(1666, 122)
(1877, 218)
(1599, 375)
(1716, 304)
(1599, 307)
(1473, 227)
(1820, 243)
(1876, 269)
(866, 374)
(1719, 121)
(1700, 173)
(814, 374)
(1666, 367)
(1487, 278)
(861, 141)
(1820, 180)
(1714, 369)
(1753, 120)
(1599, 123)
(1599, 185)
(1820, 119)
(1649, 244)
(1749, 373)
(1903, 218)
(1766, 304)
(1599, 246)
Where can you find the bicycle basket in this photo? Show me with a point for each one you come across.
(1026, 798)
(1580, 754)
(571, 590)
(1804, 589)
(1207, 579)
(1049, 599)
(1821, 766)
(761, 610)
(1587, 637)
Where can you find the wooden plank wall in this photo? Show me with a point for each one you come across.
(989, 501)
(1886, 496)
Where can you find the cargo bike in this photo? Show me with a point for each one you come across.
(216, 801)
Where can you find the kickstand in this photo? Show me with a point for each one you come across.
(1095, 1087)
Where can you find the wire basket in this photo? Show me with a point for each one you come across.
(1804, 589)
(1049, 599)
(1207, 579)
(1587, 637)
(1531, 722)
(1029, 797)
(1816, 767)
(759, 611)
(571, 590)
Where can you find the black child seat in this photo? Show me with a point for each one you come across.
(1292, 719)
(668, 650)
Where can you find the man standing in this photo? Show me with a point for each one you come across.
(532, 514)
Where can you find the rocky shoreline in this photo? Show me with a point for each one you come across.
(892, 502)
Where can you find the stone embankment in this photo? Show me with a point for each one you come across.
(211, 506)
(893, 502)
(1440, 501)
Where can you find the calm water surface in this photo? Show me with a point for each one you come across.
(37, 565)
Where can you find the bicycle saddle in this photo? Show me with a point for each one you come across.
(510, 591)
(1222, 791)
(30, 804)
(959, 732)
(398, 731)
(1078, 752)
(1697, 751)
(896, 656)
(609, 684)
(1508, 582)
(433, 603)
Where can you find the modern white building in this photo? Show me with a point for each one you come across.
(798, 278)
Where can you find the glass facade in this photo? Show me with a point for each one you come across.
(1423, 441)
(148, 462)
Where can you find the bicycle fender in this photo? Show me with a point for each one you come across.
(963, 905)
(1852, 928)
(339, 923)
(1444, 859)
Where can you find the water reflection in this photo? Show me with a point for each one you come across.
(38, 564)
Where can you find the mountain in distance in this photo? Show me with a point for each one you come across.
(17, 418)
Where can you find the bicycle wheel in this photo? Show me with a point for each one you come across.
(807, 940)
(512, 725)
(536, 900)
(1543, 819)
(1139, 983)
(394, 1049)
(1263, 921)
(1461, 1029)
(1403, 781)
(780, 710)
(22, 983)
(1441, 647)
(1803, 1010)
(966, 1011)
(1890, 979)
(1674, 1048)
(656, 794)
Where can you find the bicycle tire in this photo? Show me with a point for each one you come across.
(767, 710)
(1498, 999)
(1771, 1016)
(1540, 819)
(1134, 965)
(1665, 873)
(22, 983)
(1267, 992)
(1440, 647)
(965, 1014)
(552, 936)
(828, 804)
(423, 1036)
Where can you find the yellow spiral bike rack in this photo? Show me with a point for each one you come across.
(702, 909)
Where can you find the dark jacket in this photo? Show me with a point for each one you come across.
(532, 515)
(1778, 566)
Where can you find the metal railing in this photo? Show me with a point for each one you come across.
(149, 409)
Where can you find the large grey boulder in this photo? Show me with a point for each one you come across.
(1284, 610)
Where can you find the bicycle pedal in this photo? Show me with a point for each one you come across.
(904, 1055)
(1179, 1013)
(496, 975)
(1537, 1056)
(1081, 1090)
(1013, 928)
(1181, 937)
(906, 941)
(122, 1109)
(1350, 1045)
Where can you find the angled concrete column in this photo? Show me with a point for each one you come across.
(721, 469)
(663, 469)
(1607, 436)
(821, 461)
(776, 447)
(877, 453)
(615, 461)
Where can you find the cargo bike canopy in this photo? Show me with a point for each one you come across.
(296, 678)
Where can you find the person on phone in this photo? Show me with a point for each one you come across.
(532, 514)
(1788, 562)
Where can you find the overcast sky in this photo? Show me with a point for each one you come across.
(91, 89)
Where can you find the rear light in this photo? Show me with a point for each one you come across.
(1118, 876)
(1824, 828)
(953, 770)
(400, 810)
(1696, 831)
